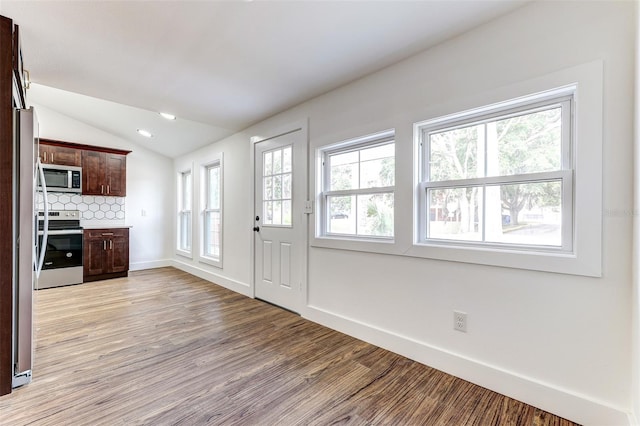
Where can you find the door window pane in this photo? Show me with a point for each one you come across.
(277, 194)
(286, 159)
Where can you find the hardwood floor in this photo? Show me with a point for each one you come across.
(163, 347)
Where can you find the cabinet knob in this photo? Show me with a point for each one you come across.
(256, 229)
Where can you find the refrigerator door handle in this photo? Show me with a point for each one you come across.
(45, 235)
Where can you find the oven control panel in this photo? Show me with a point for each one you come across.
(61, 215)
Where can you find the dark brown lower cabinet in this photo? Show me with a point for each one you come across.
(106, 253)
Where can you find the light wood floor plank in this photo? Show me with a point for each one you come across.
(163, 347)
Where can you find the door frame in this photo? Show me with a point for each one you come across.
(302, 126)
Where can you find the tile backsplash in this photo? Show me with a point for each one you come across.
(90, 207)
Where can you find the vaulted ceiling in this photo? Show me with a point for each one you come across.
(218, 66)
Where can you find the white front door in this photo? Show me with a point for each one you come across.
(280, 223)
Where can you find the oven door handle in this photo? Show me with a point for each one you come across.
(62, 232)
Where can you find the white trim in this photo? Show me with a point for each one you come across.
(221, 280)
(363, 191)
(563, 402)
(500, 180)
(354, 144)
(527, 102)
(635, 260)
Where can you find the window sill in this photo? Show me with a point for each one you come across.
(184, 253)
(374, 245)
(210, 261)
(530, 259)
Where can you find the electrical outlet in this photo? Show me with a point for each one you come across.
(460, 321)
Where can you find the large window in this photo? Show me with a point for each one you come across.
(500, 176)
(211, 204)
(358, 184)
(185, 189)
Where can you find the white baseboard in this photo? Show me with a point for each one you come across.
(231, 284)
(139, 266)
(562, 402)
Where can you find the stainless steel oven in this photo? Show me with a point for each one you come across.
(63, 255)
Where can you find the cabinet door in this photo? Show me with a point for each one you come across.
(95, 259)
(61, 155)
(119, 245)
(116, 175)
(93, 173)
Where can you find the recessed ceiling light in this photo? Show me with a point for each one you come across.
(145, 133)
(168, 116)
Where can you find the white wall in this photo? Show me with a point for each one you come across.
(149, 186)
(559, 342)
(235, 271)
(636, 237)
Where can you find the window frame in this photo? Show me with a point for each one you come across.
(215, 161)
(324, 182)
(562, 97)
(182, 211)
(586, 257)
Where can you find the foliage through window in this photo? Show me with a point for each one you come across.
(184, 210)
(358, 187)
(277, 172)
(500, 176)
(211, 212)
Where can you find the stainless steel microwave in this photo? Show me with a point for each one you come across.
(62, 178)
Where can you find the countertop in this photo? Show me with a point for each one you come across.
(107, 224)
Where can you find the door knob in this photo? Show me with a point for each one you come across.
(256, 229)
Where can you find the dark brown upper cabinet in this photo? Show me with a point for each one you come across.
(104, 170)
(104, 173)
(51, 152)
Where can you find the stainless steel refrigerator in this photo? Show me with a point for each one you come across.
(27, 256)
